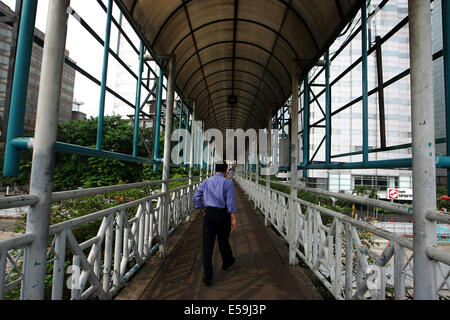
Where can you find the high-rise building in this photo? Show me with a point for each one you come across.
(438, 85)
(346, 134)
(8, 36)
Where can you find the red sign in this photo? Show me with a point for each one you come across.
(393, 193)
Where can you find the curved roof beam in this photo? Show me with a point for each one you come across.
(229, 58)
(243, 20)
(238, 80)
(202, 114)
(230, 70)
(228, 121)
(224, 89)
(237, 42)
(239, 97)
(184, 2)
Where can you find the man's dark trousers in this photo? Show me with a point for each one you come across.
(217, 222)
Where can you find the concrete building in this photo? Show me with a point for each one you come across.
(347, 125)
(8, 36)
(346, 135)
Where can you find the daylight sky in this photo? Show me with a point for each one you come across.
(85, 50)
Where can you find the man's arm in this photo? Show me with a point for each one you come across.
(231, 205)
(198, 195)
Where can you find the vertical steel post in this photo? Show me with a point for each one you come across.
(305, 124)
(365, 85)
(180, 123)
(257, 159)
(199, 152)
(201, 147)
(119, 34)
(424, 170)
(446, 39)
(380, 92)
(19, 88)
(196, 147)
(167, 151)
(208, 158)
(35, 259)
(268, 165)
(191, 154)
(327, 108)
(157, 122)
(101, 111)
(294, 154)
(186, 145)
(138, 100)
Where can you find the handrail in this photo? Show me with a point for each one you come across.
(31, 199)
(395, 207)
(326, 251)
(136, 239)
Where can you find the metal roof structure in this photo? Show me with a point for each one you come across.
(238, 50)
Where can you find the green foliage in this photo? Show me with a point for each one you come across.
(24, 170)
(72, 171)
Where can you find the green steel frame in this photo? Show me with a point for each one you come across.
(309, 98)
(15, 142)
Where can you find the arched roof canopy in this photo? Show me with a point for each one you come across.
(244, 48)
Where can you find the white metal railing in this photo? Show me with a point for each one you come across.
(128, 235)
(339, 254)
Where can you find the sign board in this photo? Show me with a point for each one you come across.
(392, 193)
(399, 194)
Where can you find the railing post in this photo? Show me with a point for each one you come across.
(19, 89)
(44, 150)
(424, 170)
(167, 151)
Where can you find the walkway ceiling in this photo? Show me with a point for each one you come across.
(240, 48)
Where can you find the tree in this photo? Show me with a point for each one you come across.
(73, 171)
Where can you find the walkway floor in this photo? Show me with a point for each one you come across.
(261, 271)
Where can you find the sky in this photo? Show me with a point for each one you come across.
(85, 50)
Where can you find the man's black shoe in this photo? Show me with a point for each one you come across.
(207, 282)
(227, 265)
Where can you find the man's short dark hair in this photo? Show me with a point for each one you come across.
(221, 167)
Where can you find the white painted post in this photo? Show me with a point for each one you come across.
(423, 138)
(167, 151)
(41, 182)
(294, 152)
(268, 164)
(191, 158)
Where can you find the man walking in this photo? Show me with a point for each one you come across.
(219, 213)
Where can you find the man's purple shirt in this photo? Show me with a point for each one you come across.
(217, 192)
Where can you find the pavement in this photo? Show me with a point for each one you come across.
(261, 270)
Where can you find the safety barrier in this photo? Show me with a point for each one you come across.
(128, 235)
(339, 253)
